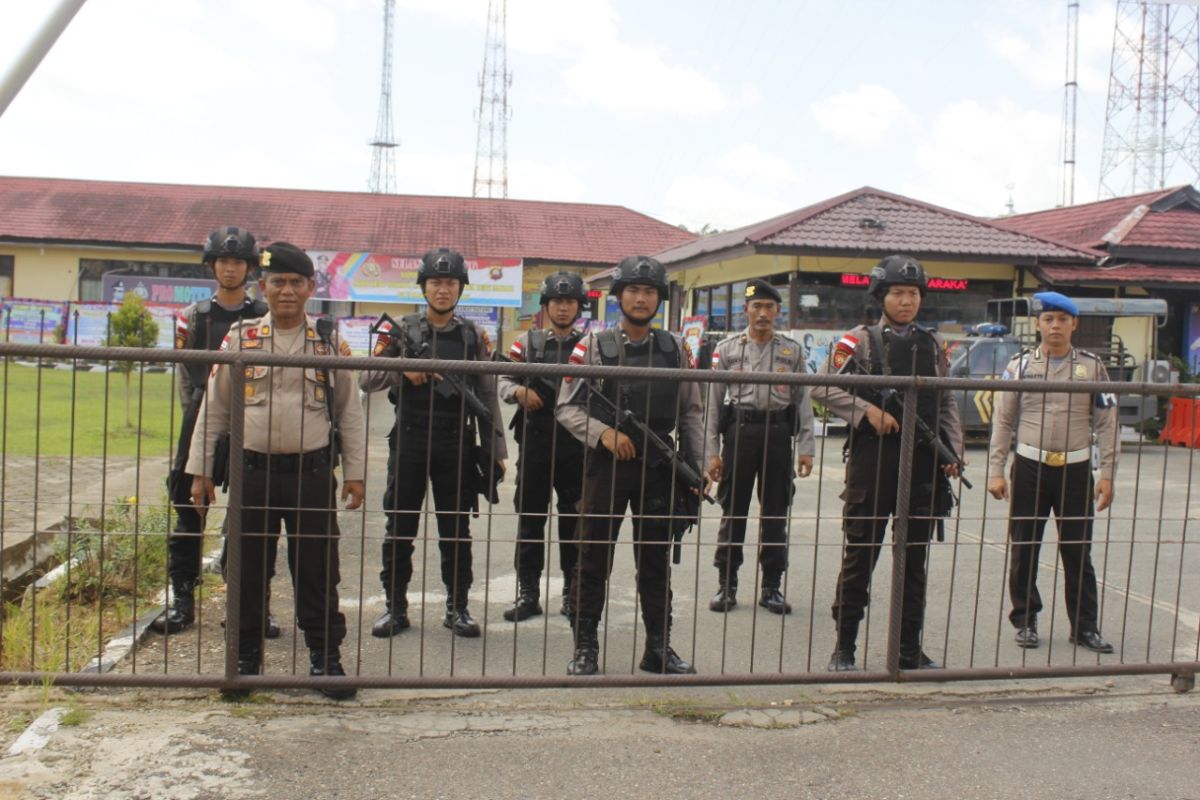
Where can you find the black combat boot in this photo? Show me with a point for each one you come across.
(773, 600)
(249, 663)
(660, 658)
(567, 609)
(182, 612)
(911, 654)
(328, 661)
(725, 599)
(459, 620)
(395, 619)
(587, 648)
(842, 659)
(527, 604)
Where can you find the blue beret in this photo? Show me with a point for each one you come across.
(1053, 301)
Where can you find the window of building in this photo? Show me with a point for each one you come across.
(6, 276)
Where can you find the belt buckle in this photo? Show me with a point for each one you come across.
(1056, 459)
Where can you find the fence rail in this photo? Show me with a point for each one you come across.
(79, 488)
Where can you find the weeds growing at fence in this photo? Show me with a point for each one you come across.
(115, 574)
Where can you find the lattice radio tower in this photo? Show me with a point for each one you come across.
(1152, 123)
(491, 137)
(383, 156)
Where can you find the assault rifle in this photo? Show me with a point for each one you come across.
(487, 474)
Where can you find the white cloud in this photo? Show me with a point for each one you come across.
(1039, 52)
(863, 116)
(624, 78)
(748, 162)
(717, 201)
(973, 153)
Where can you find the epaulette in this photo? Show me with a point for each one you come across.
(1090, 354)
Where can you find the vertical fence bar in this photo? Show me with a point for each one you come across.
(908, 441)
(233, 514)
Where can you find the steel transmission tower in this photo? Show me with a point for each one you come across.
(1152, 123)
(383, 157)
(491, 137)
(1066, 192)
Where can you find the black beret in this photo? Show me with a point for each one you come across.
(285, 257)
(761, 290)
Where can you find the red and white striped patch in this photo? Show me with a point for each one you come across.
(843, 351)
(716, 361)
(576, 357)
(517, 351)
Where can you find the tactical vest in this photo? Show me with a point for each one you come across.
(915, 353)
(544, 349)
(208, 326)
(655, 402)
(460, 344)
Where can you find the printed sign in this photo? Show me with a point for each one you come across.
(154, 289)
(378, 278)
(87, 323)
(693, 333)
(30, 321)
(356, 332)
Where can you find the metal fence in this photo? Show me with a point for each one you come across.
(81, 491)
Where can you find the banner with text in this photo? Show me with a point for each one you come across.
(378, 278)
(155, 289)
(30, 321)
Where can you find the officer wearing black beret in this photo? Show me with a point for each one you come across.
(761, 425)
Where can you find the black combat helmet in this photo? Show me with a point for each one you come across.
(443, 263)
(563, 284)
(897, 270)
(640, 269)
(231, 242)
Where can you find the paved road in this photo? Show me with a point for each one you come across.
(1069, 739)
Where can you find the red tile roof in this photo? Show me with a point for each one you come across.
(871, 221)
(1167, 218)
(166, 215)
(1148, 275)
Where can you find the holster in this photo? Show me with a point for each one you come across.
(221, 463)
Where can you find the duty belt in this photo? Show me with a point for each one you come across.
(287, 462)
(1054, 458)
(435, 423)
(754, 416)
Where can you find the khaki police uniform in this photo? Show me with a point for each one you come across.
(761, 425)
(288, 478)
(1052, 435)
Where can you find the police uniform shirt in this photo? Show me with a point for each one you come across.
(572, 409)
(185, 322)
(856, 345)
(484, 385)
(1059, 422)
(782, 354)
(286, 407)
(508, 385)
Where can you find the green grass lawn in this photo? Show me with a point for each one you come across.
(37, 406)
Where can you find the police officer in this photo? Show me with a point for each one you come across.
(434, 436)
(896, 345)
(550, 456)
(290, 419)
(760, 424)
(232, 254)
(1052, 470)
(621, 471)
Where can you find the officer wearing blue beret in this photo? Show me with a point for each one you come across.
(1052, 470)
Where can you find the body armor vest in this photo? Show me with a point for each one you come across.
(655, 402)
(209, 324)
(546, 349)
(460, 344)
(915, 353)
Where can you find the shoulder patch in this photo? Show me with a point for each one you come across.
(344, 348)
(577, 355)
(843, 350)
(517, 351)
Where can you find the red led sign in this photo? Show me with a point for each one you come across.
(594, 293)
(935, 284)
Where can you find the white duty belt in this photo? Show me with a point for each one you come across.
(1054, 458)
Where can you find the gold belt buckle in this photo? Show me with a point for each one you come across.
(1056, 459)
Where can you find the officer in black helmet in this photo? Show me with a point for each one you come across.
(550, 456)
(620, 471)
(434, 436)
(232, 253)
(896, 345)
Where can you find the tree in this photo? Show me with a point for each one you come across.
(131, 326)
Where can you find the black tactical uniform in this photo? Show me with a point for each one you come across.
(550, 458)
(201, 326)
(874, 463)
(645, 484)
(434, 436)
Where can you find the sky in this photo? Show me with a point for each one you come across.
(707, 112)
